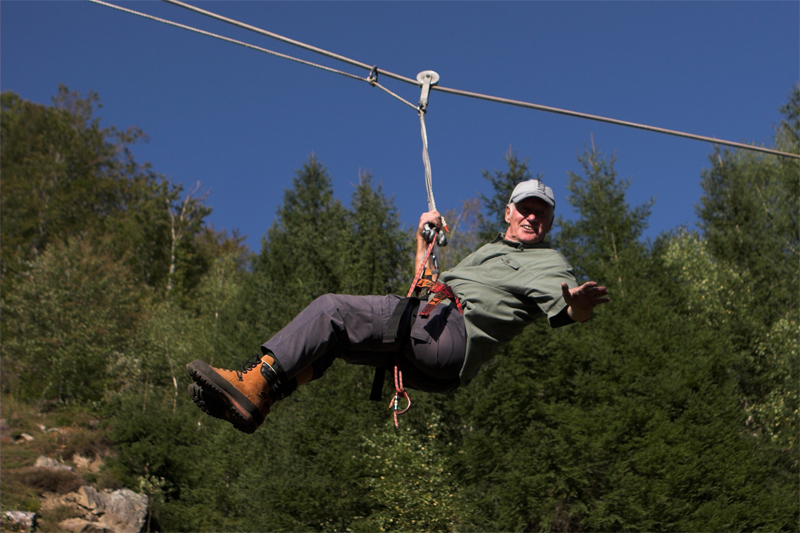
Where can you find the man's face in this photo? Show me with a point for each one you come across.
(529, 220)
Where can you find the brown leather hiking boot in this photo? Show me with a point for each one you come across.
(240, 397)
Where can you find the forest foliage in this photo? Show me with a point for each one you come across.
(674, 408)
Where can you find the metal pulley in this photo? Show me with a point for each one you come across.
(427, 78)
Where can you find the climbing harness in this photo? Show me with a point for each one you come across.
(406, 310)
(441, 292)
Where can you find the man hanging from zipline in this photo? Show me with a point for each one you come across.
(437, 345)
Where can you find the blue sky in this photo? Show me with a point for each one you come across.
(242, 122)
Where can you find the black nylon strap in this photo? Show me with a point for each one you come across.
(377, 384)
(397, 328)
(401, 317)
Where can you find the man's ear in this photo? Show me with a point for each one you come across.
(508, 213)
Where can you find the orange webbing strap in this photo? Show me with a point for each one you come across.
(421, 268)
(441, 291)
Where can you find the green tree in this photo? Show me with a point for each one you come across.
(70, 325)
(379, 250)
(750, 216)
(604, 241)
(776, 410)
(216, 301)
(63, 174)
(302, 255)
(410, 487)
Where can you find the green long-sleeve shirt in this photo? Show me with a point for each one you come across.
(502, 287)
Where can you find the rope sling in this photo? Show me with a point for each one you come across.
(427, 78)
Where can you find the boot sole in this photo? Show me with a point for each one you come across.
(213, 406)
(208, 403)
(228, 403)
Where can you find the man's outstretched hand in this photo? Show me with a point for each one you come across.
(581, 300)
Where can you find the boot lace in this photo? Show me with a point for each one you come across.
(252, 362)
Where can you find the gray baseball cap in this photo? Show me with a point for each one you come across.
(527, 189)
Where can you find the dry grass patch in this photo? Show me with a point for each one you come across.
(46, 480)
(60, 434)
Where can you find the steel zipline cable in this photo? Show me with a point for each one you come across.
(374, 72)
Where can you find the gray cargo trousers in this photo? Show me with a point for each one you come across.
(352, 328)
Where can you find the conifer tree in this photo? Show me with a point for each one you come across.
(604, 241)
(379, 250)
(301, 256)
(750, 216)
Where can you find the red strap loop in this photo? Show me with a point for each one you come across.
(399, 391)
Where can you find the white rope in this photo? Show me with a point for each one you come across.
(426, 160)
(379, 86)
(404, 79)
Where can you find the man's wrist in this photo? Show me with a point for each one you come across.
(579, 315)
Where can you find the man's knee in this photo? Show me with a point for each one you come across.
(325, 301)
(331, 302)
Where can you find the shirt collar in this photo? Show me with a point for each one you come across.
(518, 245)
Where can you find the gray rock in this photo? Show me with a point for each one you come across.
(121, 511)
(126, 511)
(23, 438)
(50, 464)
(18, 519)
(89, 498)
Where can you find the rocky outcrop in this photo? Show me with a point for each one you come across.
(65, 502)
(18, 521)
(120, 511)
